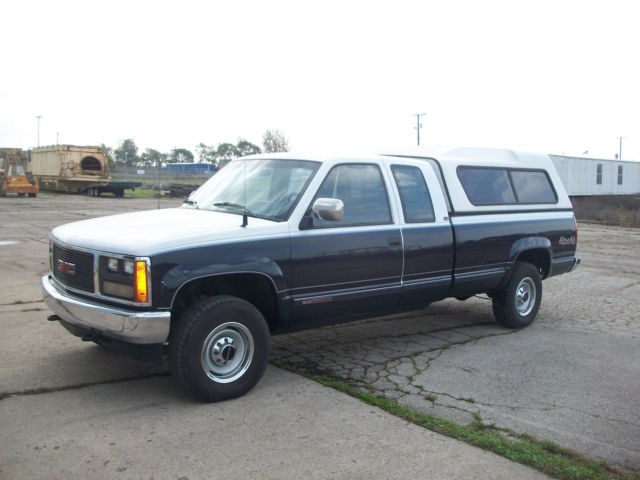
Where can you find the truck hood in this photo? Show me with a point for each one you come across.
(153, 231)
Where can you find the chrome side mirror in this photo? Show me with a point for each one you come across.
(330, 209)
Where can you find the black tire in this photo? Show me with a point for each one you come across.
(517, 305)
(32, 195)
(220, 348)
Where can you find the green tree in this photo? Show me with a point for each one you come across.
(127, 153)
(108, 154)
(245, 147)
(180, 155)
(152, 157)
(206, 153)
(226, 152)
(274, 141)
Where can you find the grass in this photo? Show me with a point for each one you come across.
(141, 192)
(545, 456)
(150, 180)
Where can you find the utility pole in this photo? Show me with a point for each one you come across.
(418, 125)
(620, 151)
(38, 117)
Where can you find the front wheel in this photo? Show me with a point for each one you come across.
(220, 348)
(517, 305)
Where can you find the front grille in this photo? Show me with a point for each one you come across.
(77, 269)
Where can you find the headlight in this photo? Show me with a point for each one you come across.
(128, 267)
(125, 278)
(113, 264)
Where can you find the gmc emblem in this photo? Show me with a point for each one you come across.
(66, 267)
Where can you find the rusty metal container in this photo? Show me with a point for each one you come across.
(69, 168)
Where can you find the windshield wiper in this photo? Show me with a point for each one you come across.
(230, 205)
(192, 202)
(245, 210)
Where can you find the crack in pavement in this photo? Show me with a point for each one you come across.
(610, 419)
(21, 302)
(44, 241)
(43, 390)
(629, 286)
(374, 364)
(474, 402)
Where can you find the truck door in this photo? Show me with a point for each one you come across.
(426, 232)
(353, 266)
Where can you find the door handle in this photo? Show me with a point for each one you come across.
(394, 241)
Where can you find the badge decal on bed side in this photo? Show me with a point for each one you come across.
(568, 240)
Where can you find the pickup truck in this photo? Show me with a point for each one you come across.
(278, 242)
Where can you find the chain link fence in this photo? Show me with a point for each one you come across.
(163, 181)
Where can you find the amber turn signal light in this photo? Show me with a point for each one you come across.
(141, 282)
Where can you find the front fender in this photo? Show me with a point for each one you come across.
(181, 274)
(174, 269)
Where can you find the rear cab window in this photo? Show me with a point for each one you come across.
(416, 201)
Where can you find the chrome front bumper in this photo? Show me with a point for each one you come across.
(127, 325)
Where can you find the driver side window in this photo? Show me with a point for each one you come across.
(362, 190)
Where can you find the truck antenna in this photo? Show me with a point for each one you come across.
(245, 213)
(158, 166)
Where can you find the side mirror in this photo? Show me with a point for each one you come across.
(330, 209)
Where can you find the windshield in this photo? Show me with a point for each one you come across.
(16, 170)
(263, 188)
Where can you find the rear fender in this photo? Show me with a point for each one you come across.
(535, 250)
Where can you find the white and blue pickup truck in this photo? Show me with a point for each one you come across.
(278, 242)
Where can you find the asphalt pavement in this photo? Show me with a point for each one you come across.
(75, 410)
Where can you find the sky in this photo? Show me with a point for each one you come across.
(559, 77)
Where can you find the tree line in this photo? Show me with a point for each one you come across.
(126, 154)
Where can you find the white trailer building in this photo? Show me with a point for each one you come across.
(591, 176)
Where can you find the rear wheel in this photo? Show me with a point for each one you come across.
(517, 305)
(219, 349)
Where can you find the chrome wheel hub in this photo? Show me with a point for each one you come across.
(227, 352)
(223, 351)
(525, 296)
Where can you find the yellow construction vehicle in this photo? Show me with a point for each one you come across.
(14, 174)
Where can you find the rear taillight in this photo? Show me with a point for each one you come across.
(575, 226)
